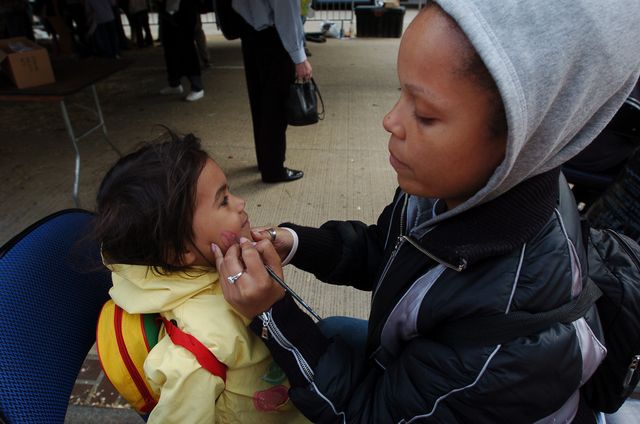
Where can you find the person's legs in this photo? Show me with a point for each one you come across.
(196, 82)
(171, 47)
(352, 330)
(18, 24)
(189, 61)
(123, 41)
(144, 23)
(201, 43)
(136, 28)
(269, 86)
(100, 40)
(105, 40)
(63, 39)
(250, 50)
(77, 15)
(112, 33)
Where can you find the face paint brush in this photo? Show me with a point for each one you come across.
(228, 236)
(284, 285)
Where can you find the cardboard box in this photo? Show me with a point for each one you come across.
(25, 62)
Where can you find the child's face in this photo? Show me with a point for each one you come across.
(219, 216)
(440, 144)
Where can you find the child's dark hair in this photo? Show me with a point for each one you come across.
(146, 201)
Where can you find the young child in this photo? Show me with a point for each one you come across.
(159, 209)
(495, 96)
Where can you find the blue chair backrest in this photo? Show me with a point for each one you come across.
(52, 287)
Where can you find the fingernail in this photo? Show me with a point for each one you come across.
(244, 240)
(214, 248)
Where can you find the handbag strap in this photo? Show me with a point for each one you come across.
(317, 90)
(498, 329)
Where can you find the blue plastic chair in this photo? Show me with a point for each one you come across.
(52, 287)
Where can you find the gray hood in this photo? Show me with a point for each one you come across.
(563, 68)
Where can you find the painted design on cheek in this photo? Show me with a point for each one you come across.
(228, 238)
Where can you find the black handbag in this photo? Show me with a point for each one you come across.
(231, 24)
(302, 103)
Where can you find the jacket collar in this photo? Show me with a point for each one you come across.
(496, 227)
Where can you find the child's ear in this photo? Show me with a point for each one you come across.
(188, 257)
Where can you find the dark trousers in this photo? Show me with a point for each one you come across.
(201, 42)
(140, 22)
(16, 24)
(105, 40)
(123, 41)
(269, 70)
(178, 42)
(76, 20)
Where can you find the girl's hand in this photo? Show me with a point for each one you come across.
(253, 291)
(282, 242)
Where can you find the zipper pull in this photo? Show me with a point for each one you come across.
(398, 241)
(631, 370)
(264, 334)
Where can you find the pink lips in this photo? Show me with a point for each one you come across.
(395, 163)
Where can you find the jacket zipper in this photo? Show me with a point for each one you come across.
(399, 242)
(270, 328)
(460, 267)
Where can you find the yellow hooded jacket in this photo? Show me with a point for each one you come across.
(256, 389)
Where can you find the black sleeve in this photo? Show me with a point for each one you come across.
(345, 252)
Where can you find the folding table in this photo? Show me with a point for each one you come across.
(71, 76)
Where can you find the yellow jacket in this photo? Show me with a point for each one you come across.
(255, 389)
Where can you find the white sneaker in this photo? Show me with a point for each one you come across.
(172, 90)
(194, 95)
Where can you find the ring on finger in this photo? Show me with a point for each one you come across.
(272, 233)
(235, 277)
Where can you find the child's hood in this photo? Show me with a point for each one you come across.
(563, 68)
(138, 289)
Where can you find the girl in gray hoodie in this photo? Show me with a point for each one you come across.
(495, 96)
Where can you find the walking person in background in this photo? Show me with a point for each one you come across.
(273, 53)
(178, 19)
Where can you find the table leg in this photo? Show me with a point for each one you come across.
(101, 119)
(74, 141)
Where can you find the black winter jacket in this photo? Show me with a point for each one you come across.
(521, 251)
